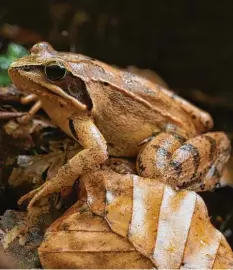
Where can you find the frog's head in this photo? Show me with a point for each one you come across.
(50, 74)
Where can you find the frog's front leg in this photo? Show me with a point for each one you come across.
(196, 164)
(93, 155)
(29, 98)
(33, 110)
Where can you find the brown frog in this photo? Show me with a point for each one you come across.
(114, 112)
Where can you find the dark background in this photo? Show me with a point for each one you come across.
(188, 43)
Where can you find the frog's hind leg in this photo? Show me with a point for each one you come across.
(196, 164)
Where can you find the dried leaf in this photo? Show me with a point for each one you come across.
(171, 228)
(10, 93)
(9, 115)
(6, 260)
(80, 239)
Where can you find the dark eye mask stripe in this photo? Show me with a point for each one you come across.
(71, 85)
(76, 88)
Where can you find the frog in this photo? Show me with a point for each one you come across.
(112, 112)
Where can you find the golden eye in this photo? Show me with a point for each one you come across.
(55, 71)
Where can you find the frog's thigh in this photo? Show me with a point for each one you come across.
(94, 154)
(154, 157)
(196, 164)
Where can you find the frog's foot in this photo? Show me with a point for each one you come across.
(36, 194)
(29, 195)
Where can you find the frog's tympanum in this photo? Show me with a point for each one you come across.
(113, 112)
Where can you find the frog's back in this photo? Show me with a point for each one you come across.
(166, 102)
(153, 97)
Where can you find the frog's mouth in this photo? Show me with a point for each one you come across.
(70, 90)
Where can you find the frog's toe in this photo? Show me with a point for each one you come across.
(29, 195)
(34, 195)
(39, 194)
(47, 188)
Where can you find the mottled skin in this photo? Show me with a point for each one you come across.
(113, 112)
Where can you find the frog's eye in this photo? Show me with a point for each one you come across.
(55, 71)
